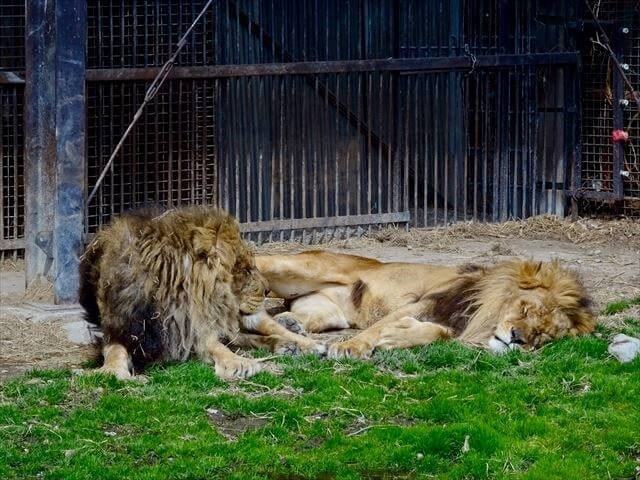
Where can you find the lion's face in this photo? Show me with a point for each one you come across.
(249, 284)
(538, 317)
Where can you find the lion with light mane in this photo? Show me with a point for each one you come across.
(513, 304)
(164, 286)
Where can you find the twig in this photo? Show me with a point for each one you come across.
(150, 94)
(364, 429)
(606, 44)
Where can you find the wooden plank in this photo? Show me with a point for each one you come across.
(405, 65)
(324, 222)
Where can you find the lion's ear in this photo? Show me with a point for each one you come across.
(227, 241)
(203, 240)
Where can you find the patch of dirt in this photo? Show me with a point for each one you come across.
(26, 345)
(12, 265)
(618, 320)
(233, 425)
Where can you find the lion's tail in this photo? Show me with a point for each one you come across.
(89, 275)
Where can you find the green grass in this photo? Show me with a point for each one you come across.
(620, 306)
(568, 411)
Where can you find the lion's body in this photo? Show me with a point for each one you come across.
(161, 284)
(426, 302)
(167, 286)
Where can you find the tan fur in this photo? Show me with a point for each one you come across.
(403, 304)
(167, 286)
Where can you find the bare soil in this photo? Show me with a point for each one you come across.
(605, 253)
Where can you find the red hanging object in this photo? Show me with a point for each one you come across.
(619, 136)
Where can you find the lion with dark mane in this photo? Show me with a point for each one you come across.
(173, 284)
(513, 304)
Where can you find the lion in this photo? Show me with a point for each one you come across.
(166, 286)
(513, 304)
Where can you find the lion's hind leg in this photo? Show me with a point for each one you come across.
(317, 313)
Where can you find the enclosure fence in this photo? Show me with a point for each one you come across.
(307, 120)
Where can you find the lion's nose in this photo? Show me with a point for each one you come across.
(517, 336)
(266, 292)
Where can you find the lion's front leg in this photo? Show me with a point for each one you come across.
(228, 365)
(408, 332)
(116, 361)
(281, 339)
(399, 329)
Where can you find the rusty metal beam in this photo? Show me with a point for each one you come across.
(9, 78)
(324, 222)
(404, 65)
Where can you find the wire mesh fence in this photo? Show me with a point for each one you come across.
(12, 22)
(294, 116)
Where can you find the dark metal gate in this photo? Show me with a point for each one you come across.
(326, 117)
(307, 119)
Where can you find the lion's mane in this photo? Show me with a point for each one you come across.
(159, 284)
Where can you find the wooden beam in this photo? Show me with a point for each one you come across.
(40, 137)
(70, 147)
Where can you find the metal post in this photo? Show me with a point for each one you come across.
(70, 146)
(40, 139)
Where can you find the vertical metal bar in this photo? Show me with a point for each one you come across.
(516, 141)
(405, 179)
(476, 151)
(415, 146)
(281, 81)
(390, 126)
(464, 137)
(427, 132)
(446, 149)
(379, 208)
(292, 103)
(554, 165)
(360, 146)
(544, 126)
(485, 142)
(436, 147)
(368, 108)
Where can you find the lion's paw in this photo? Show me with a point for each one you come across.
(119, 373)
(301, 348)
(289, 321)
(350, 349)
(237, 367)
